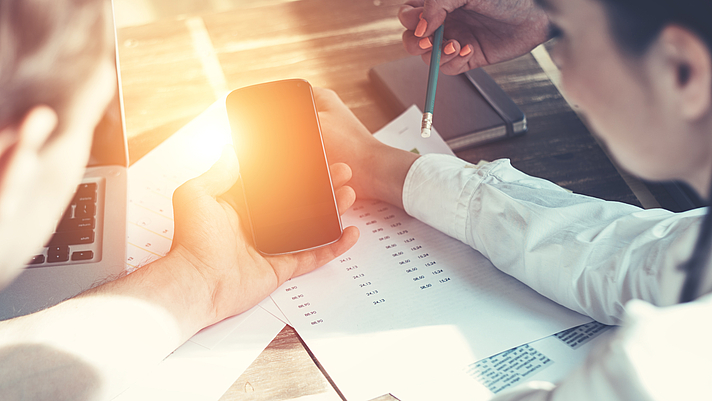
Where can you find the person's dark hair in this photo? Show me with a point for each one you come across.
(635, 24)
(699, 260)
(48, 48)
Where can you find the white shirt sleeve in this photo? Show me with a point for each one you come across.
(589, 255)
(608, 260)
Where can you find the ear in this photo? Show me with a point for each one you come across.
(32, 132)
(37, 127)
(688, 71)
(20, 145)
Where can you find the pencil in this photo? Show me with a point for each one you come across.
(427, 123)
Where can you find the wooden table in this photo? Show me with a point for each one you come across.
(173, 69)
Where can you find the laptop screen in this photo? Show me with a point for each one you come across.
(110, 145)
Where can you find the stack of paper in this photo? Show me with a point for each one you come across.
(407, 311)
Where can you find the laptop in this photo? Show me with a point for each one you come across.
(89, 245)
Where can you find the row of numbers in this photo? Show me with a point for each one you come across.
(417, 266)
(404, 248)
(303, 305)
(370, 219)
(392, 234)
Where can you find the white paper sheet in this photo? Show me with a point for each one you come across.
(207, 365)
(408, 309)
(268, 305)
(549, 359)
(196, 373)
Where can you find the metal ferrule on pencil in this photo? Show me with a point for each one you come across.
(426, 125)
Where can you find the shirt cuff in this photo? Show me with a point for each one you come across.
(437, 191)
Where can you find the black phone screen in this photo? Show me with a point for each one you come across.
(283, 166)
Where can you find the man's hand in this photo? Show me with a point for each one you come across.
(211, 236)
(95, 344)
(477, 32)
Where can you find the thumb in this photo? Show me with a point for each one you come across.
(435, 12)
(219, 178)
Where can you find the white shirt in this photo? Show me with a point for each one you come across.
(614, 262)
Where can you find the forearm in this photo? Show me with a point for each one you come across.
(589, 255)
(387, 168)
(171, 284)
(104, 338)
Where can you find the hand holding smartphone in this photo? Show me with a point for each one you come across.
(283, 167)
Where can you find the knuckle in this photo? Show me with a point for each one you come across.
(325, 94)
(330, 93)
(184, 190)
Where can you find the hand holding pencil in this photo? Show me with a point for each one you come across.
(477, 33)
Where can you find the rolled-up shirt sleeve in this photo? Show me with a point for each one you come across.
(589, 255)
(614, 262)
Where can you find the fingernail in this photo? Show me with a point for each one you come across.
(420, 16)
(420, 29)
(449, 49)
(465, 51)
(425, 43)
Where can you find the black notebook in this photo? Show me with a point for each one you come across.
(470, 108)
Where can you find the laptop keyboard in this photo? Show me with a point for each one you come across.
(75, 233)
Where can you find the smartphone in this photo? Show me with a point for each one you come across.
(283, 167)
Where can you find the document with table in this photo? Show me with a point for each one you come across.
(408, 311)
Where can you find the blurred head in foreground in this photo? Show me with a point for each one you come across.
(57, 75)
